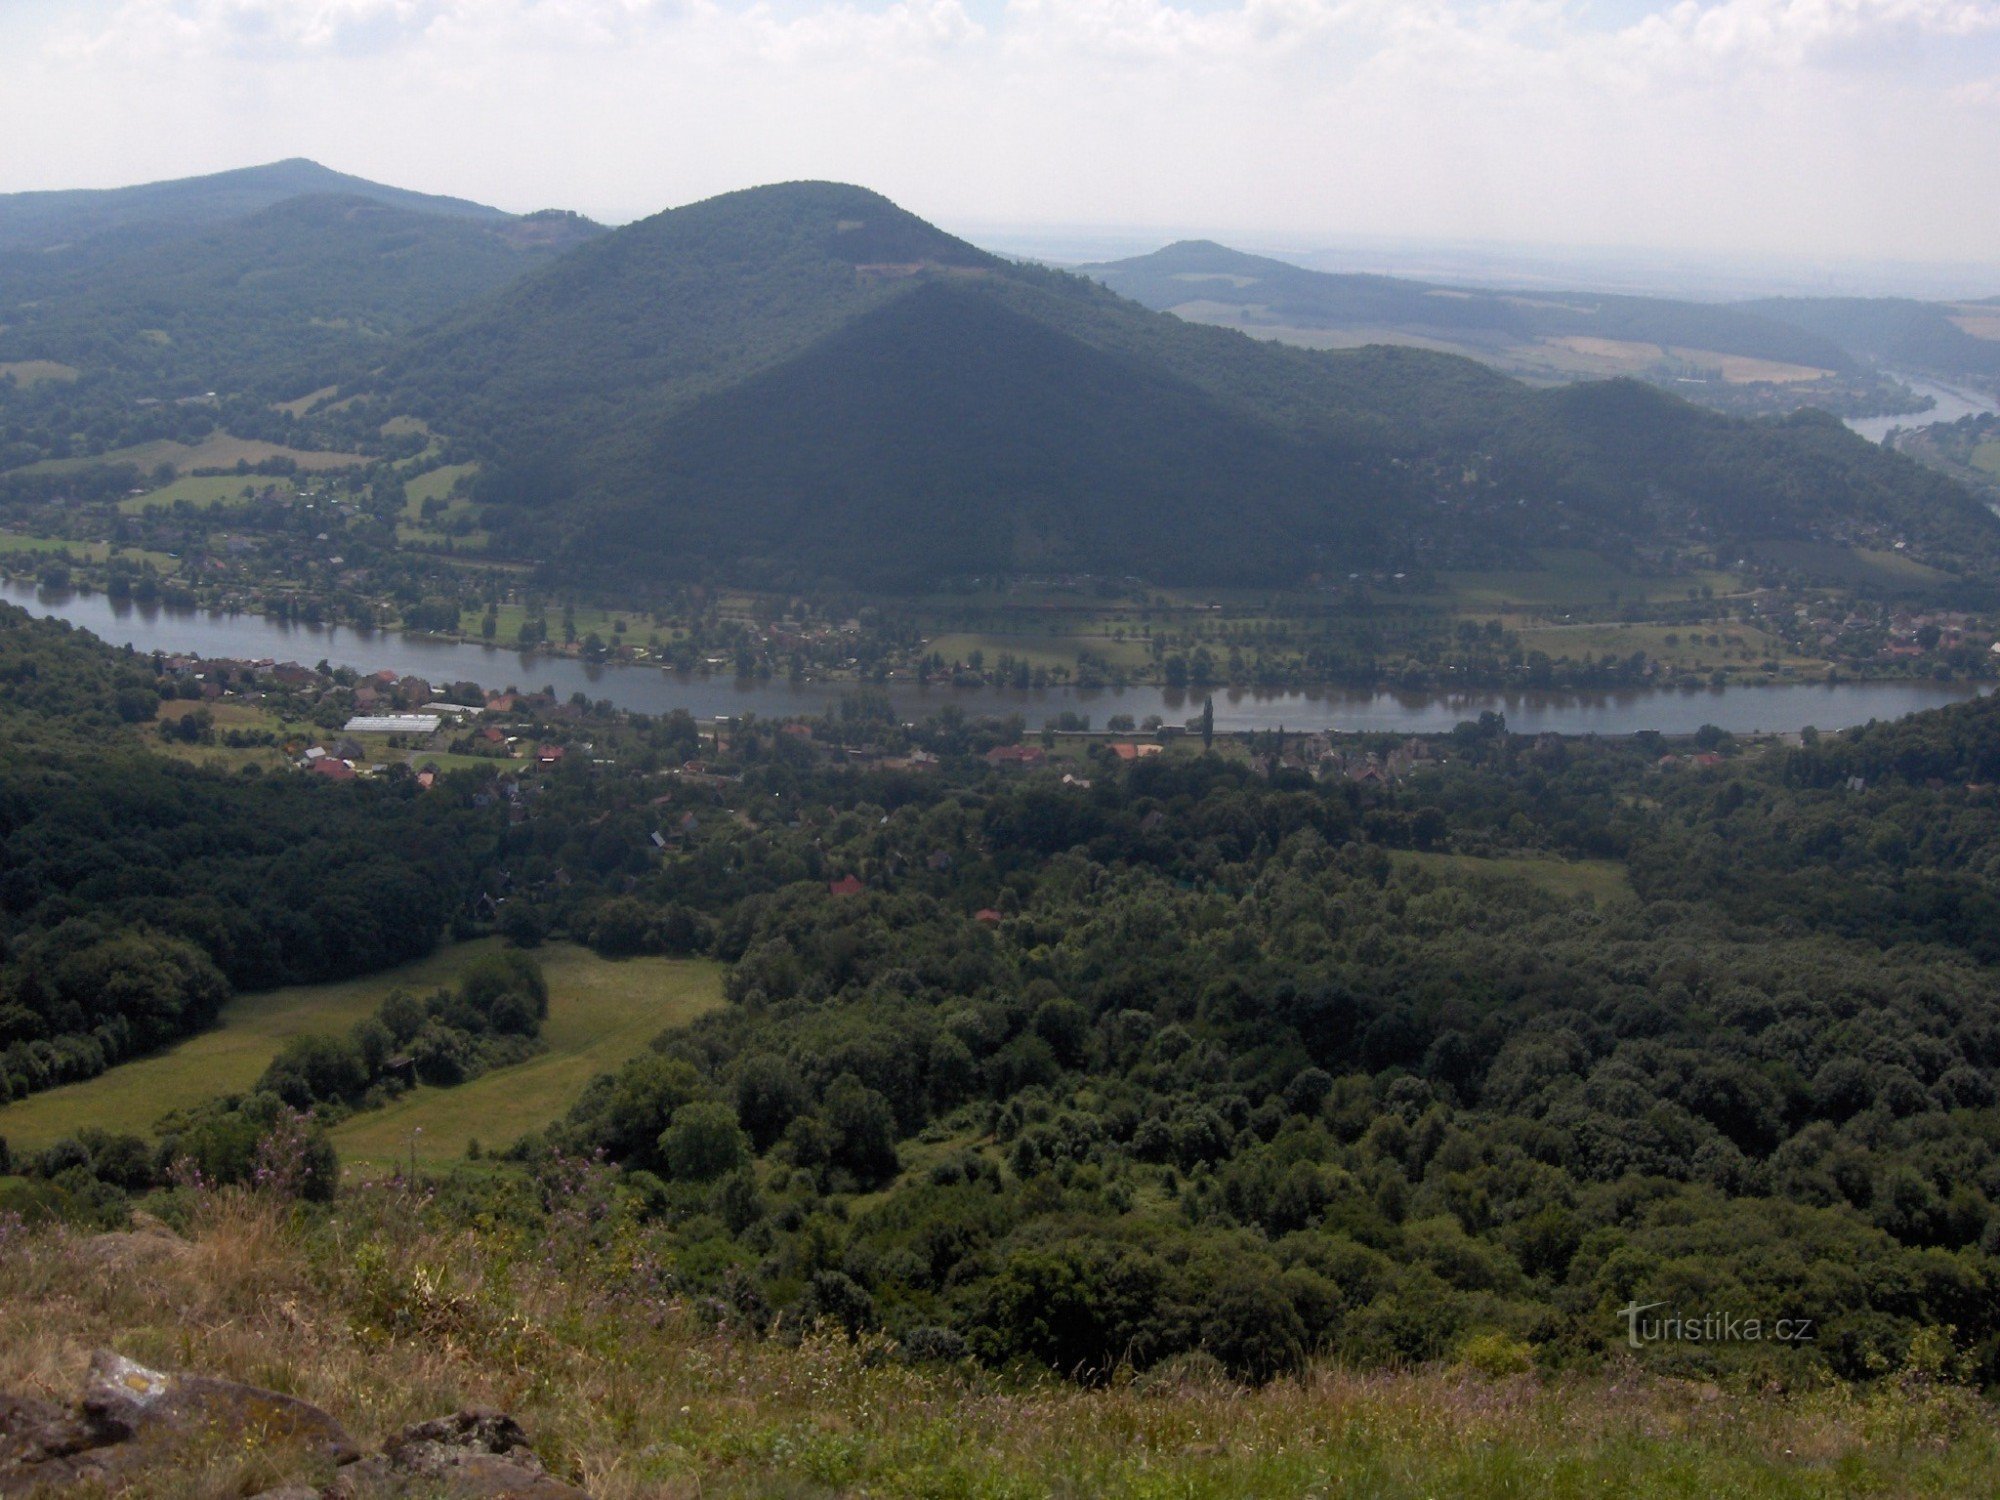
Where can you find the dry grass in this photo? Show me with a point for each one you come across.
(385, 1321)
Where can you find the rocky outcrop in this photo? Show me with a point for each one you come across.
(471, 1455)
(130, 1419)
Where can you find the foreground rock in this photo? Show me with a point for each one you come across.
(472, 1455)
(131, 1419)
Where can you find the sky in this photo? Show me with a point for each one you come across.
(1842, 129)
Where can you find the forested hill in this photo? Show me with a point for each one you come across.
(806, 384)
(136, 891)
(286, 299)
(1193, 273)
(63, 223)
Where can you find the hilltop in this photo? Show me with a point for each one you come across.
(303, 287)
(805, 383)
(56, 223)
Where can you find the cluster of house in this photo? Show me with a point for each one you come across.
(1318, 756)
(1910, 632)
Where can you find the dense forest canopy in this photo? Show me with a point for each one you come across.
(1205, 1055)
(137, 892)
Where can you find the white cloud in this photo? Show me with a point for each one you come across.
(1853, 126)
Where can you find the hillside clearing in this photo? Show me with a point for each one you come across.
(599, 1015)
(27, 372)
(601, 1012)
(216, 451)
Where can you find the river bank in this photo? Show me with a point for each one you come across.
(1741, 709)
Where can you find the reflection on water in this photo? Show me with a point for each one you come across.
(650, 690)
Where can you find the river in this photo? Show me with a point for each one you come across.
(1953, 402)
(649, 690)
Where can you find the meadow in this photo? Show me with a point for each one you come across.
(1568, 578)
(1855, 566)
(216, 451)
(202, 490)
(384, 1317)
(600, 1013)
(27, 372)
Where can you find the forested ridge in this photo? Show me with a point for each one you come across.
(806, 385)
(1192, 270)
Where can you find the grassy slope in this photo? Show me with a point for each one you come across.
(600, 1013)
(384, 1322)
(227, 1058)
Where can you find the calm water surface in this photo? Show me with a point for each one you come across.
(650, 690)
(1953, 402)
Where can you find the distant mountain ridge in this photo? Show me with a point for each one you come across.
(49, 221)
(1203, 280)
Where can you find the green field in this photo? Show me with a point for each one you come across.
(1678, 646)
(84, 551)
(1853, 565)
(1599, 879)
(1571, 578)
(216, 451)
(27, 372)
(201, 490)
(600, 1013)
(1986, 458)
(308, 401)
(433, 485)
(1045, 649)
(434, 530)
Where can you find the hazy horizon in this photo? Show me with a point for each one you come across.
(1809, 131)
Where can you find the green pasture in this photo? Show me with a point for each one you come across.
(202, 490)
(308, 401)
(1679, 646)
(1857, 566)
(601, 1012)
(436, 484)
(1986, 458)
(227, 1058)
(84, 551)
(1043, 649)
(27, 372)
(216, 451)
(1571, 579)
